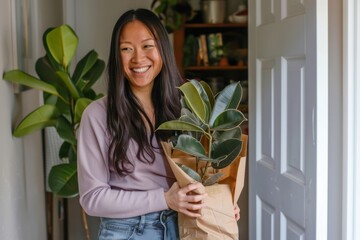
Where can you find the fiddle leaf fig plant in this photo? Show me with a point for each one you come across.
(209, 128)
(66, 95)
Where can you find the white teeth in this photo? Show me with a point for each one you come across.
(140, 70)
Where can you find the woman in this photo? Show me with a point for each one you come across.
(123, 175)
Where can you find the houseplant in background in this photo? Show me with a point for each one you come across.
(207, 150)
(65, 96)
(172, 12)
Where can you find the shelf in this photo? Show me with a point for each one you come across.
(215, 68)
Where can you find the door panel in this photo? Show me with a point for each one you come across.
(284, 120)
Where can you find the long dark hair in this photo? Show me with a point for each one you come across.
(124, 111)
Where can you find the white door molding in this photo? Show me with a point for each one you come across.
(351, 126)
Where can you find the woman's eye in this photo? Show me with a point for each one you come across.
(149, 46)
(125, 49)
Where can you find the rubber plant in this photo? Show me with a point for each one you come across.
(66, 95)
(209, 128)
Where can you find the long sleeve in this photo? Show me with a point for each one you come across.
(103, 192)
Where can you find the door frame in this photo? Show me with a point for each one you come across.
(351, 117)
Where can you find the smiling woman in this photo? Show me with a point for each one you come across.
(140, 56)
(124, 177)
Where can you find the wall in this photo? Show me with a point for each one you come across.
(335, 121)
(22, 195)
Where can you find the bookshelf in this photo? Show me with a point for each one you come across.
(234, 38)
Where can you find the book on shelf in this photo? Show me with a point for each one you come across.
(204, 49)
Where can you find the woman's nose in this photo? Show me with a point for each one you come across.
(138, 55)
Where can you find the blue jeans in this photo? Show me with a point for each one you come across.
(161, 225)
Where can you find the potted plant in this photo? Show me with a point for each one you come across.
(172, 12)
(211, 140)
(65, 95)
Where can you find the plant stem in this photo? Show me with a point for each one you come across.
(86, 226)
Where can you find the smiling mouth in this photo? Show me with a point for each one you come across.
(141, 70)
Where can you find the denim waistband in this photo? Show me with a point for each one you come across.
(137, 225)
(149, 217)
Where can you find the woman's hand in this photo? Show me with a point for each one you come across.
(237, 212)
(184, 201)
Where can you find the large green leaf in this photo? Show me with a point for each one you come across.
(204, 97)
(190, 145)
(62, 43)
(20, 77)
(209, 93)
(65, 130)
(228, 119)
(194, 100)
(80, 106)
(64, 150)
(92, 75)
(48, 74)
(63, 180)
(69, 84)
(84, 65)
(230, 148)
(231, 133)
(179, 125)
(188, 116)
(43, 116)
(228, 98)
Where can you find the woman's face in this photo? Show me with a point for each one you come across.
(140, 55)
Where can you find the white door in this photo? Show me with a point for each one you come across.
(288, 119)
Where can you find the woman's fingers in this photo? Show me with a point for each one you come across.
(237, 212)
(184, 200)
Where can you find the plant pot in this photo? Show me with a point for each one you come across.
(214, 11)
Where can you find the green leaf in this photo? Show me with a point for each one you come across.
(64, 150)
(92, 75)
(84, 65)
(52, 61)
(228, 98)
(230, 148)
(65, 130)
(204, 97)
(231, 133)
(228, 119)
(67, 151)
(80, 106)
(72, 154)
(194, 100)
(188, 116)
(62, 43)
(192, 173)
(69, 84)
(190, 145)
(47, 74)
(209, 93)
(20, 77)
(43, 116)
(62, 107)
(63, 180)
(179, 125)
(213, 179)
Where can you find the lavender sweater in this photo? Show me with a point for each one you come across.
(105, 193)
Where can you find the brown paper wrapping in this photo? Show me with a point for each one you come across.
(218, 217)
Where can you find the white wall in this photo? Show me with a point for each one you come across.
(22, 195)
(335, 121)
